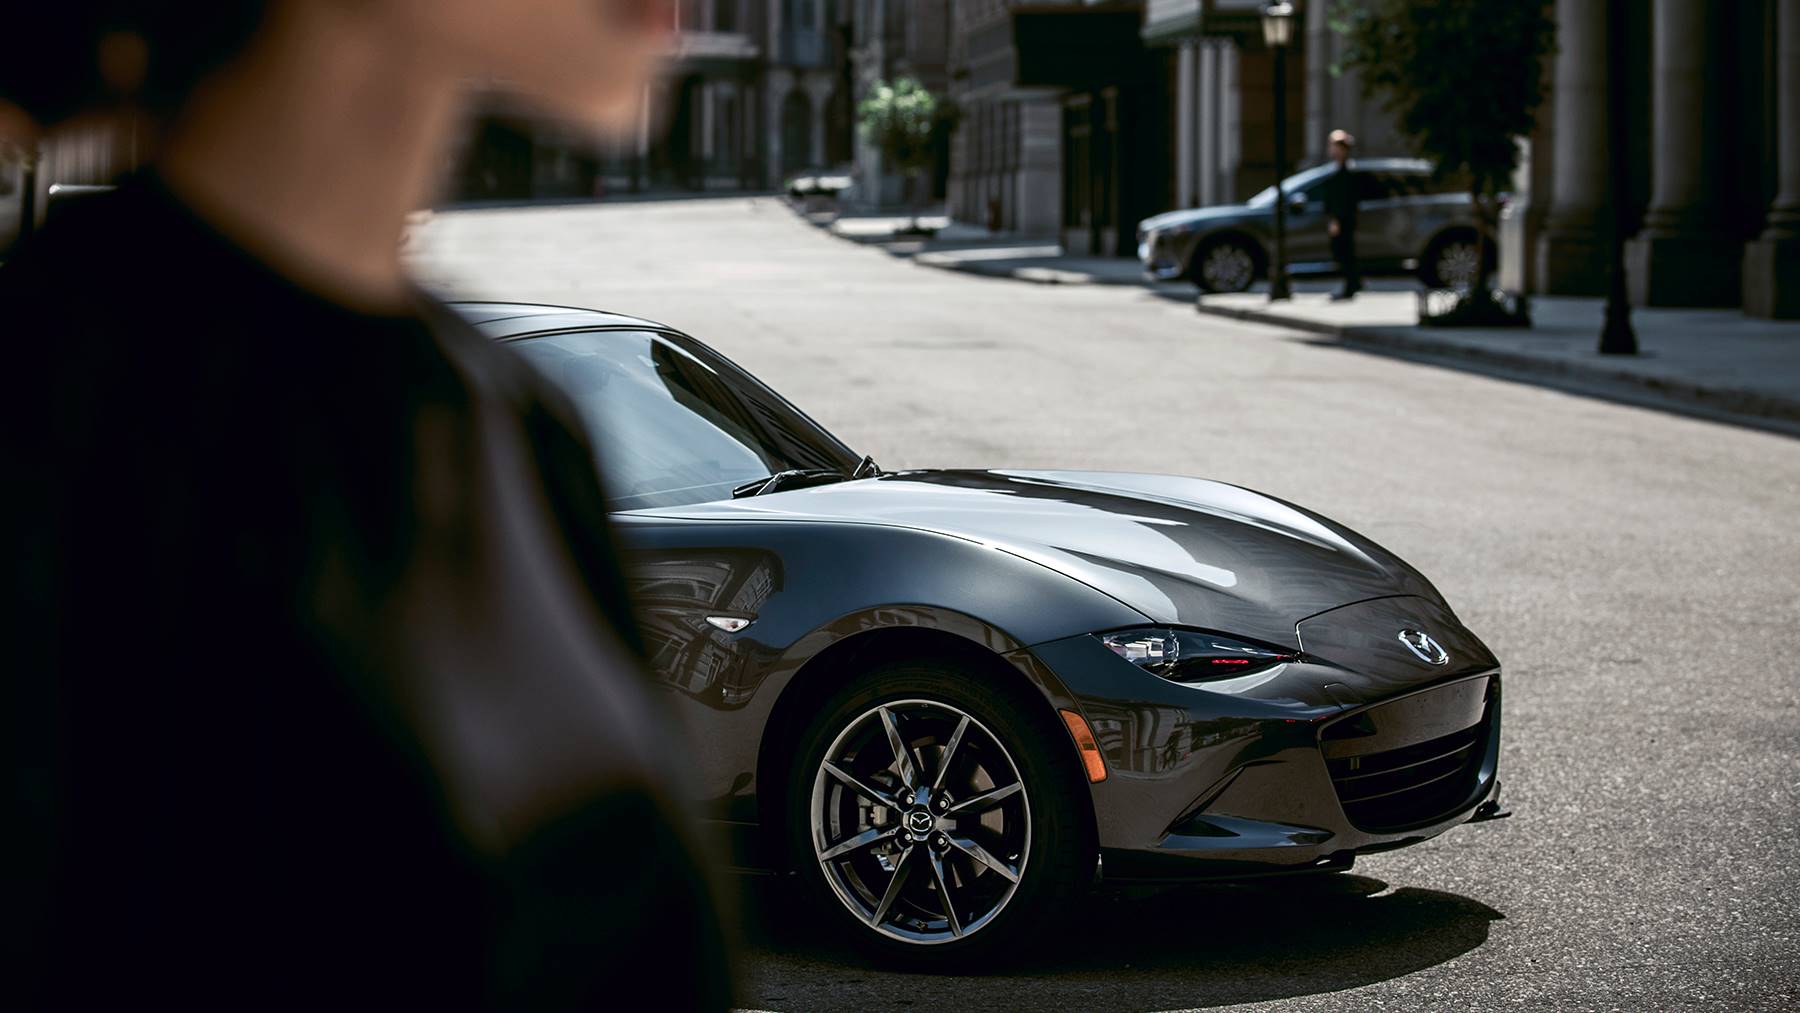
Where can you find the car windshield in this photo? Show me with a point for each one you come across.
(1412, 168)
(1298, 181)
(672, 422)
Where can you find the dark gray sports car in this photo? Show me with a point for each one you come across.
(951, 699)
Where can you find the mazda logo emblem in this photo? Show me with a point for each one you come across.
(1428, 650)
(919, 822)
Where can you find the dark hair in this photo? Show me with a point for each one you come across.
(52, 67)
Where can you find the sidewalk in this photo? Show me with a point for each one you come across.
(1704, 361)
(957, 246)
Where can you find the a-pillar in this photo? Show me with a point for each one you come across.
(1772, 261)
(1684, 256)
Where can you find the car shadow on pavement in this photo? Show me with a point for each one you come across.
(1137, 949)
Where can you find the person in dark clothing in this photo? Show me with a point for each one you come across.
(322, 687)
(1342, 190)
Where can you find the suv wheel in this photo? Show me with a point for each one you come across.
(1224, 265)
(1453, 260)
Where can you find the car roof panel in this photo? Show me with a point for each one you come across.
(1394, 164)
(503, 320)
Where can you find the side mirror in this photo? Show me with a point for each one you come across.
(1297, 202)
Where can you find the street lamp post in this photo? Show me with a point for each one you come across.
(1278, 32)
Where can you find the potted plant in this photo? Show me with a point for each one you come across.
(1465, 79)
(900, 118)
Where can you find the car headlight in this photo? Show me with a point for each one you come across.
(1192, 656)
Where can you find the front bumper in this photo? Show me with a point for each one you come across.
(1164, 254)
(1300, 768)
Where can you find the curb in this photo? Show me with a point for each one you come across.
(871, 239)
(824, 220)
(1037, 274)
(1656, 391)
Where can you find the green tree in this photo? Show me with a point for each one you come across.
(900, 118)
(1465, 80)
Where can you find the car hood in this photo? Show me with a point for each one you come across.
(1196, 217)
(1183, 551)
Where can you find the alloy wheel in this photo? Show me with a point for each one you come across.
(1458, 262)
(1227, 267)
(920, 821)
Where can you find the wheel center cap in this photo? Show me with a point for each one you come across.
(920, 822)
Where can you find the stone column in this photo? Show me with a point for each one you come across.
(1684, 257)
(1231, 118)
(774, 90)
(1572, 251)
(818, 89)
(1319, 57)
(1039, 197)
(1207, 120)
(1772, 261)
(1187, 121)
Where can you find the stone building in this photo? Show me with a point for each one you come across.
(1713, 167)
(1006, 153)
(706, 120)
(1057, 108)
(1714, 163)
(808, 103)
(890, 39)
(1222, 110)
(753, 90)
(1064, 128)
(1080, 119)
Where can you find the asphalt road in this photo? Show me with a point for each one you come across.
(1638, 573)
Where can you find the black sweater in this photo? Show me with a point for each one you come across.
(321, 677)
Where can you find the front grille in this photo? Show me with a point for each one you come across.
(1411, 786)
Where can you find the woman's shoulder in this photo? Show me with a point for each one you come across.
(487, 361)
(124, 255)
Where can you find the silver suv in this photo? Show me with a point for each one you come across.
(1405, 221)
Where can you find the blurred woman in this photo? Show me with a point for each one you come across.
(322, 684)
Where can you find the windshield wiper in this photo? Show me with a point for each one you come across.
(787, 479)
(866, 468)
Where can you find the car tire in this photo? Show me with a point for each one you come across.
(1450, 260)
(1225, 264)
(1041, 833)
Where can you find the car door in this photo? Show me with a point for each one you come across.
(1435, 205)
(1382, 217)
(690, 584)
(1308, 242)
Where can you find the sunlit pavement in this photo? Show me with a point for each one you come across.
(1638, 573)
